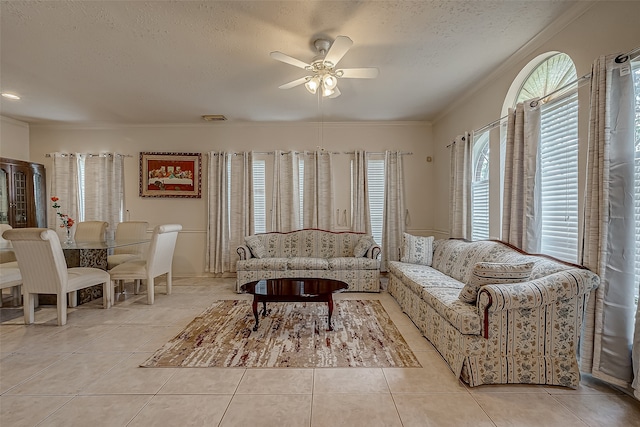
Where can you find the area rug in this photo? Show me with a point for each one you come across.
(292, 335)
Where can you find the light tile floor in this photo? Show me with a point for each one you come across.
(86, 374)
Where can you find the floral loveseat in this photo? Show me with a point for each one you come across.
(346, 256)
(524, 332)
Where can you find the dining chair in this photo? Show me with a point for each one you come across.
(128, 230)
(91, 231)
(44, 271)
(9, 272)
(157, 262)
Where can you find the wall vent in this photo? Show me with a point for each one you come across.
(214, 118)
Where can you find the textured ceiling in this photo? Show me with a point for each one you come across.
(136, 62)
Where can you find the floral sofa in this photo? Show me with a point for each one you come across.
(346, 256)
(524, 332)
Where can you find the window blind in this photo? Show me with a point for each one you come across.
(259, 197)
(636, 86)
(375, 176)
(480, 188)
(559, 177)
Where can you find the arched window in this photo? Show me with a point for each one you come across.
(558, 155)
(480, 187)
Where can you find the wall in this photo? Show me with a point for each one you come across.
(412, 137)
(14, 139)
(605, 28)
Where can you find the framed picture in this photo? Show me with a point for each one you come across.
(170, 174)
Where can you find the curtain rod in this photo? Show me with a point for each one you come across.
(89, 154)
(379, 152)
(619, 59)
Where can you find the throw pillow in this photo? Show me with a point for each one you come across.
(255, 245)
(417, 249)
(491, 273)
(363, 246)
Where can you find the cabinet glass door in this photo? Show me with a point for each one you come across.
(20, 202)
(4, 196)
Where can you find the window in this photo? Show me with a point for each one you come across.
(636, 85)
(301, 192)
(480, 188)
(375, 177)
(259, 196)
(558, 154)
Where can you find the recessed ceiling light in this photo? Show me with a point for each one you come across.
(10, 95)
(214, 118)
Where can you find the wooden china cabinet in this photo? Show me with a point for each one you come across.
(22, 194)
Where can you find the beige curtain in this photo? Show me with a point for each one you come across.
(285, 204)
(360, 217)
(103, 189)
(393, 222)
(521, 213)
(64, 186)
(608, 245)
(460, 188)
(218, 213)
(318, 190)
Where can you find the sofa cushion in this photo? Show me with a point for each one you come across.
(490, 273)
(353, 263)
(307, 263)
(254, 243)
(464, 317)
(277, 264)
(363, 245)
(417, 249)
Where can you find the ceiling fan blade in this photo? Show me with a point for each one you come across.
(279, 56)
(358, 73)
(337, 50)
(294, 83)
(336, 93)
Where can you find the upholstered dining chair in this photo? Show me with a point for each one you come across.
(9, 272)
(128, 230)
(90, 231)
(157, 262)
(44, 271)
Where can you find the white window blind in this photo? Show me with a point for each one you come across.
(301, 191)
(559, 177)
(480, 188)
(259, 197)
(375, 176)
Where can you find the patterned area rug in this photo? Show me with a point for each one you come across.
(292, 335)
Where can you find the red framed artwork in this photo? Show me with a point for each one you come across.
(170, 174)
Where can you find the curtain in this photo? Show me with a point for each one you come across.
(241, 203)
(608, 246)
(393, 221)
(64, 186)
(103, 189)
(360, 217)
(218, 213)
(317, 190)
(460, 188)
(286, 196)
(521, 213)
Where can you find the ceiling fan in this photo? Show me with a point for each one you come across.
(323, 73)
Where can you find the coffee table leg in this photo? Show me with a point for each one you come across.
(254, 306)
(330, 304)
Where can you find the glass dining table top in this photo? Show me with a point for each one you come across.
(108, 244)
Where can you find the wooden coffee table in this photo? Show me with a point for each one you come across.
(292, 290)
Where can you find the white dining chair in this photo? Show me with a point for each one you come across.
(44, 271)
(157, 262)
(90, 231)
(9, 272)
(132, 231)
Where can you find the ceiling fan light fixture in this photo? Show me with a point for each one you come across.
(312, 84)
(327, 91)
(329, 81)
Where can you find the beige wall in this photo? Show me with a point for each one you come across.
(14, 139)
(606, 28)
(412, 137)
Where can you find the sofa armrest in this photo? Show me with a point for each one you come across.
(244, 253)
(373, 252)
(562, 285)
